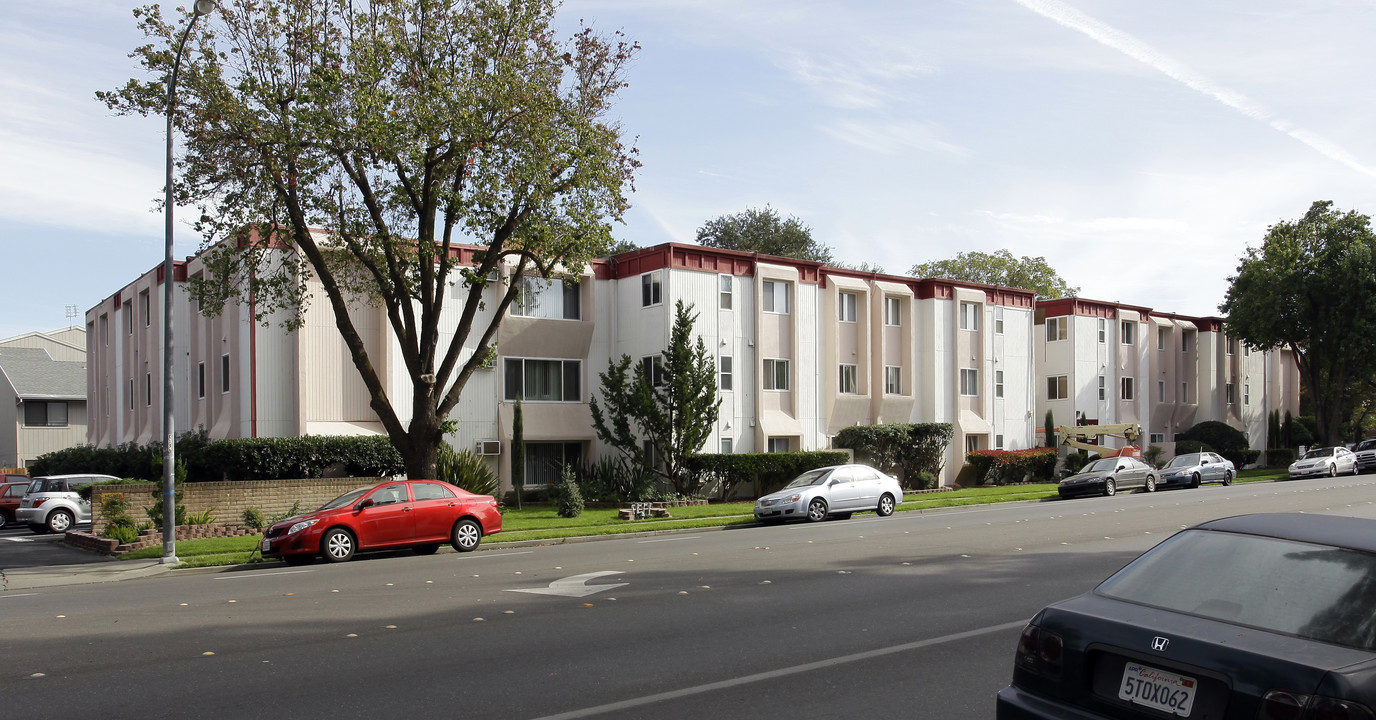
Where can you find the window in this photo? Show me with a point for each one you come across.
(1103, 330)
(1128, 388)
(1246, 394)
(724, 366)
(45, 414)
(653, 367)
(651, 293)
(1057, 387)
(971, 443)
(651, 457)
(431, 491)
(148, 389)
(893, 311)
(555, 299)
(726, 446)
(1056, 329)
(1160, 338)
(779, 444)
(847, 384)
(775, 297)
(998, 321)
(127, 310)
(1160, 391)
(775, 374)
(1129, 329)
(546, 460)
(543, 380)
(131, 393)
(1186, 340)
(969, 316)
(200, 379)
(1184, 392)
(846, 307)
(224, 373)
(893, 380)
(144, 309)
(1102, 387)
(1231, 345)
(998, 442)
(105, 330)
(969, 381)
(1155, 438)
(1230, 393)
(724, 292)
(998, 383)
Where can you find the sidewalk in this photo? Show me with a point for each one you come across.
(56, 575)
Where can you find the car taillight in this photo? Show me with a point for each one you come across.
(1285, 705)
(1040, 651)
(35, 502)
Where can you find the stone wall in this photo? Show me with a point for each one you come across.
(228, 500)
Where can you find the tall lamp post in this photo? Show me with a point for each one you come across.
(169, 460)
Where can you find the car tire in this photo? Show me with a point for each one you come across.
(886, 505)
(1150, 484)
(1227, 478)
(1194, 480)
(60, 521)
(817, 510)
(337, 546)
(38, 529)
(4, 519)
(466, 535)
(426, 549)
(1110, 487)
(1332, 470)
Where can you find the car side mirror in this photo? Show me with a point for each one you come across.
(364, 503)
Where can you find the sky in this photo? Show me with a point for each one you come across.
(1140, 147)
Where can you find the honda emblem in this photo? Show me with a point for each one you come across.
(1159, 644)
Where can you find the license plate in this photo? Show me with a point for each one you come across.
(1157, 689)
(267, 545)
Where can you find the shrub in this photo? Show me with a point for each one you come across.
(1000, 467)
(1280, 457)
(1183, 447)
(85, 490)
(766, 471)
(204, 517)
(1242, 458)
(253, 518)
(568, 499)
(125, 534)
(1220, 436)
(904, 449)
(465, 469)
(293, 512)
(118, 525)
(924, 481)
(613, 479)
(1153, 455)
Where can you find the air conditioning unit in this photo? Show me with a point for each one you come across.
(489, 447)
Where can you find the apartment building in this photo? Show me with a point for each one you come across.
(802, 351)
(1103, 363)
(42, 394)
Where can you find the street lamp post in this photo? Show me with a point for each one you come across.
(169, 460)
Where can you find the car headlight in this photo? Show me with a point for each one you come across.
(794, 498)
(298, 527)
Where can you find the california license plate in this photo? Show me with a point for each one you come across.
(1157, 689)
(266, 544)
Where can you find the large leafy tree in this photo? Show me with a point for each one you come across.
(1311, 287)
(761, 230)
(999, 268)
(672, 404)
(357, 143)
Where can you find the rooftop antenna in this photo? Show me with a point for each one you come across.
(72, 313)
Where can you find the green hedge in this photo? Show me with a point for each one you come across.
(242, 459)
(766, 471)
(910, 450)
(1000, 467)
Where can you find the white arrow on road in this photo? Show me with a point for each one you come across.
(574, 586)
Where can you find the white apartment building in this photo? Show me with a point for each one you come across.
(802, 350)
(1102, 363)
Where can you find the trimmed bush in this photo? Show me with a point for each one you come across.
(1000, 467)
(1279, 457)
(568, 499)
(904, 449)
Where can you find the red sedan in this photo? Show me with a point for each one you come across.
(10, 495)
(419, 514)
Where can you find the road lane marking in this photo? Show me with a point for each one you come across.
(7, 596)
(782, 672)
(484, 556)
(575, 586)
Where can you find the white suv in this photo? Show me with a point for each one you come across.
(53, 505)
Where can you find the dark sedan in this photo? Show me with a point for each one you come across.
(1107, 476)
(1256, 617)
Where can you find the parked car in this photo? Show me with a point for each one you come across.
(837, 490)
(1107, 476)
(52, 503)
(1328, 461)
(1191, 469)
(10, 495)
(1256, 617)
(1366, 455)
(419, 514)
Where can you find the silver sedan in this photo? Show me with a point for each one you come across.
(1191, 469)
(1328, 461)
(836, 490)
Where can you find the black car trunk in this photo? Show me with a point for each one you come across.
(1107, 640)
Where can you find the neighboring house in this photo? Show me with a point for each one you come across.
(42, 395)
(1102, 363)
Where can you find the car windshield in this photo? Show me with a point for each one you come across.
(348, 498)
(1184, 461)
(1367, 444)
(1312, 591)
(1319, 453)
(1104, 465)
(811, 477)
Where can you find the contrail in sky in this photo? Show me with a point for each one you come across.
(1150, 56)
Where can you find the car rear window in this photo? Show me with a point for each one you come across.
(43, 485)
(1312, 591)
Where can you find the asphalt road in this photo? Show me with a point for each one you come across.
(910, 616)
(20, 547)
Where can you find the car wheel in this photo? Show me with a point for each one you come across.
(466, 536)
(297, 559)
(38, 529)
(1110, 487)
(1151, 483)
(337, 545)
(1332, 470)
(1227, 477)
(1194, 480)
(886, 506)
(59, 521)
(4, 519)
(426, 549)
(817, 510)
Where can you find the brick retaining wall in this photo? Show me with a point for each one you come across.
(228, 500)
